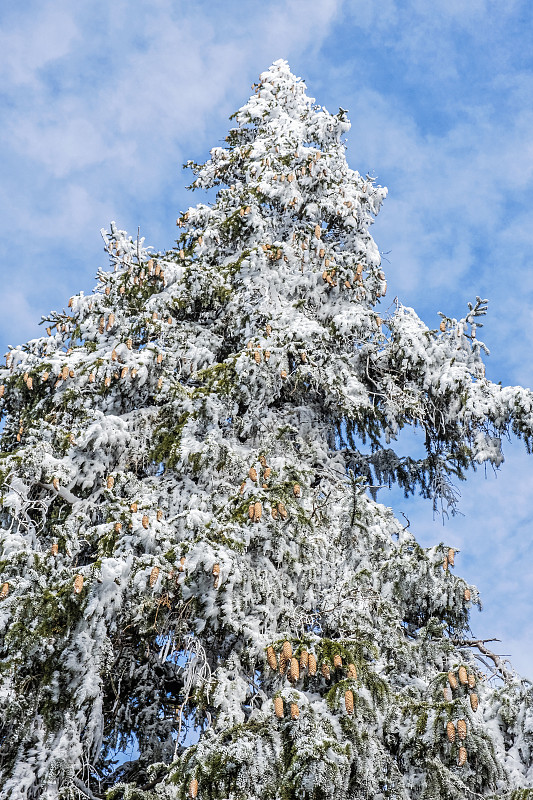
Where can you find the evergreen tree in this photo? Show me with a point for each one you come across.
(194, 563)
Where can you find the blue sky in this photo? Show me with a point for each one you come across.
(101, 103)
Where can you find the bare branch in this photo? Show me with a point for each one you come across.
(499, 665)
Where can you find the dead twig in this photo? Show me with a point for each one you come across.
(500, 668)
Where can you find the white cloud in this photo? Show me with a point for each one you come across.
(34, 40)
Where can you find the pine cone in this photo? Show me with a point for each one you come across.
(295, 711)
(282, 664)
(467, 595)
(252, 474)
(258, 510)
(118, 527)
(282, 511)
(452, 680)
(352, 672)
(64, 373)
(129, 344)
(451, 557)
(145, 522)
(295, 670)
(267, 355)
(462, 675)
(461, 729)
(297, 490)
(337, 661)
(251, 511)
(267, 473)
(312, 664)
(216, 575)
(44, 378)
(5, 591)
(54, 549)
(445, 564)
(2, 390)
(193, 788)
(268, 330)
(123, 372)
(471, 680)
(304, 659)
(287, 650)
(154, 575)
(159, 515)
(473, 701)
(78, 583)
(134, 507)
(278, 707)
(325, 671)
(55, 483)
(450, 732)
(110, 482)
(348, 701)
(272, 658)
(442, 325)
(462, 756)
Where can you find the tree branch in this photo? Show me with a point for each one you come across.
(62, 492)
(496, 659)
(85, 789)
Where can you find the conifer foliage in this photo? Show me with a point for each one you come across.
(194, 567)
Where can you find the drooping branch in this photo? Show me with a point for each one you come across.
(64, 493)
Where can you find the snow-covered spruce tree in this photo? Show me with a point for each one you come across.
(190, 539)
